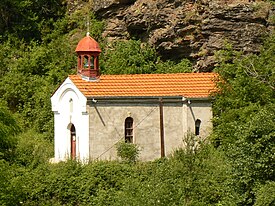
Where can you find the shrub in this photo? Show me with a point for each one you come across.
(127, 151)
(265, 196)
(32, 149)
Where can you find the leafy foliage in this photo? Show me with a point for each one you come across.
(244, 118)
(127, 151)
(134, 57)
(163, 182)
(9, 192)
(30, 74)
(32, 149)
(266, 195)
(26, 19)
(37, 53)
(8, 128)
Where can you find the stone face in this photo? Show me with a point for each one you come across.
(188, 28)
(108, 7)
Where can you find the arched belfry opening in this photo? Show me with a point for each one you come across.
(88, 51)
(73, 141)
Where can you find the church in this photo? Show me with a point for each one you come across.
(93, 112)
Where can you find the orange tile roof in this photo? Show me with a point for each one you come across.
(88, 44)
(189, 85)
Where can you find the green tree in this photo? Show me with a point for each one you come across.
(129, 58)
(134, 57)
(8, 128)
(244, 113)
(27, 19)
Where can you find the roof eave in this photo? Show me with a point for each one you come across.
(208, 98)
(143, 99)
(133, 97)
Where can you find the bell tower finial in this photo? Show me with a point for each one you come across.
(88, 26)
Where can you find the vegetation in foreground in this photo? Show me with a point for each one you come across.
(235, 167)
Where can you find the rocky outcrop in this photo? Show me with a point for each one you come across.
(192, 29)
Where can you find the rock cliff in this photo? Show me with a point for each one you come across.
(192, 29)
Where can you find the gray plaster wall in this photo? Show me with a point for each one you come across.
(202, 111)
(106, 126)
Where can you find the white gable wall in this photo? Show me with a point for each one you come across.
(69, 106)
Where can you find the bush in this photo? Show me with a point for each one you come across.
(127, 151)
(8, 193)
(265, 196)
(135, 57)
(32, 149)
(8, 128)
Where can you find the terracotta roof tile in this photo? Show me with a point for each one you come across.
(88, 44)
(188, 85)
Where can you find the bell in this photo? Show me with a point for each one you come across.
(86, 65)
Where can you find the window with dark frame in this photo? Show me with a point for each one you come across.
(197, 127)
(129, 130)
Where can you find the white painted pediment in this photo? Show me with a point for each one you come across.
(64, 94)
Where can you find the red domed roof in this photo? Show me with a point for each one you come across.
(88, 44)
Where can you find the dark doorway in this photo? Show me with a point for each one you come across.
(73, 142)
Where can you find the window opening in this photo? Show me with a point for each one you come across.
(197, 127)
(86, 62)
(71, 105)
(129, 130)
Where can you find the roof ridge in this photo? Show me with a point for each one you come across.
(161, 74)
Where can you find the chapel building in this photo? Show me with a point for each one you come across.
(92, 112)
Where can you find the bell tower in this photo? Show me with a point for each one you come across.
(88, 51)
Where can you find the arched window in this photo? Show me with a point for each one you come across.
(129, 129)
(73, 142)
(197, 127)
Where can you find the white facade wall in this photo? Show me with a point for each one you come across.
(69, 106)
